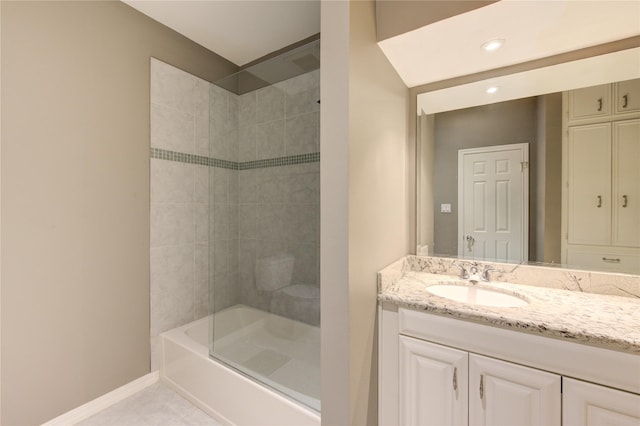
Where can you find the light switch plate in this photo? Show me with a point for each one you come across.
(445, 208)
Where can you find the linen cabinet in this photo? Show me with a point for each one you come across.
(601, 169)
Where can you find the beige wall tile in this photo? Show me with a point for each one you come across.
(171, 182)
(302, 134)
(172, 287)
(172, 130)
(270, 103)
(172, 88)
(172, 224)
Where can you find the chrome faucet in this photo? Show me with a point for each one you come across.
(474, 275)
(464, 274)
(485, 272)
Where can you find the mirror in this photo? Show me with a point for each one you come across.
(527, 108)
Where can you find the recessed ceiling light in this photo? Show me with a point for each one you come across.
(492, 89)
(492, 45)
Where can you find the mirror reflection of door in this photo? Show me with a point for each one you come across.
(493, 200)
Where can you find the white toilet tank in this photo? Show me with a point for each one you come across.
(274, 272)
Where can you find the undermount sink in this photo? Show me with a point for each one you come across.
(476, 295)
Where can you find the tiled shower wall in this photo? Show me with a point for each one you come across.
(278, 207)
(223, 121)
(270, 205)
(258, 154)
(179, 199)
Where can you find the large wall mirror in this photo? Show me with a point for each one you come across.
(496, 159)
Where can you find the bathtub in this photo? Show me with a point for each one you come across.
(230, 396)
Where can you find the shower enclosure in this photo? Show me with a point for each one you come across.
(264, 224)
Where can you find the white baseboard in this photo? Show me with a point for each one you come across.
(94, 407)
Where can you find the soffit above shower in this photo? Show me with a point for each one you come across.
(532, 30)
(240, 31)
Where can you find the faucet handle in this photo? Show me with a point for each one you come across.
(464, 274)
(485, 272)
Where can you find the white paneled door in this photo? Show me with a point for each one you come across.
(493, 201)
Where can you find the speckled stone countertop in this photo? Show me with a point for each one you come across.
(607, 321)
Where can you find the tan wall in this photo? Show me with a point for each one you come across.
(552, 180)
(501, 123)
(0, 213)
(394, 17)
(75, 198)
(365, 203)
(334, 212)
(425, 142)
(378, 196)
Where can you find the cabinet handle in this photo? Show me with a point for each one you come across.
(626, 101)
(625, 201)
(600, 104)
(455, 379)
(482, 386)
(610, 260)
(599, 201)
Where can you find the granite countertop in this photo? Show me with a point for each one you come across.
(607, 321)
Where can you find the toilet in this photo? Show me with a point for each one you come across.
(296, 301)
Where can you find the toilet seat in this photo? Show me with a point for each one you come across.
(302, 291)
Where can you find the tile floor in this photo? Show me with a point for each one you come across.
(156, 405)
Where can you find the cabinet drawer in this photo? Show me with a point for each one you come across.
(590, 102)
(605, 259)
(627, 96)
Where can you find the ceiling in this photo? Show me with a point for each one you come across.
(532, 30)
(241, 30)
(244, 30)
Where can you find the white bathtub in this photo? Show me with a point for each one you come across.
(229, 396)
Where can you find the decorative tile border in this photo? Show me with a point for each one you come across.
(313, 157)
(181, 157)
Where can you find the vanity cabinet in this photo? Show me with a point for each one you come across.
(436, 370)
(587, 404)
(445, 386)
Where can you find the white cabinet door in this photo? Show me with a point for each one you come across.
(626, 183)
(501, 393)
(433, 384)
(590, 102)
(627, 96)
(586, 404)
(589, 172)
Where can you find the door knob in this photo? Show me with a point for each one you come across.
(470, 242)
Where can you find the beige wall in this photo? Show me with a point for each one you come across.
(365, 203)
(334, 212)
(552, 187)
(425, 144)
(0, 214)
(501, 123)
(75, 198)
(394, 17)
(378, 196)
